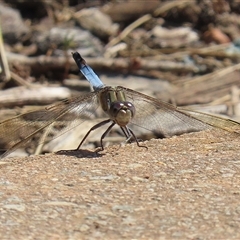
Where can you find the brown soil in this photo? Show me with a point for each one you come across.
(184, 187)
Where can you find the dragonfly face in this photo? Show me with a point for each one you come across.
(113, 102)
(121, 112)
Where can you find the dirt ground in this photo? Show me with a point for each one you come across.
(184, 187)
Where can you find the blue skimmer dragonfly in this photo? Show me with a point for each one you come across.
(124, 107)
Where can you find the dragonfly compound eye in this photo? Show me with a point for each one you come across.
(125, 106)
(116, 107)
(130, 107)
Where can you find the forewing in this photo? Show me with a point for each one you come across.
(19, 131)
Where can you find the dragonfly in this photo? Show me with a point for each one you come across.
(122, 106)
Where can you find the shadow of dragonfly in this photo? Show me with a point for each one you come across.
(124, 107)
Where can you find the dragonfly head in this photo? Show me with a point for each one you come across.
(121, 112)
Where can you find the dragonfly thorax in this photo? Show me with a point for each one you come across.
(121, 112)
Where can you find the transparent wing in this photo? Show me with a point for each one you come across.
(19, 131)
(215, 121)
(164, 118)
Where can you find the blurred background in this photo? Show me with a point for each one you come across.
(183, 52)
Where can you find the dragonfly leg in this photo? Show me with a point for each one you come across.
(93, 128)
(129, 133)
(105, 133)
